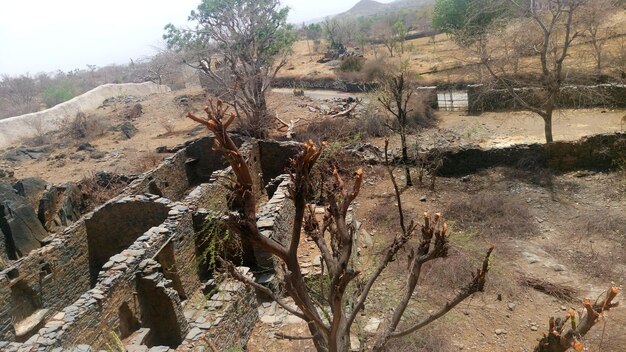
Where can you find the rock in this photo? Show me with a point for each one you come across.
(128, 130)
(85, 147)
(59, 206)
(423, 198)
(25, 232)
(531, 258)
(325, 109)
(268, 319)
(511, 306)
(534, 328)
(194, 334)
(372, 325)
(32, 189)
(558, 267)
(133, 113)
(96, 154)
(24, 153)
(6, 173)
(355, 344)
(500, 331)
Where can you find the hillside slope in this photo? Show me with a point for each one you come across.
(370, 7)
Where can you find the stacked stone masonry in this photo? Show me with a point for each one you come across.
(129, 272)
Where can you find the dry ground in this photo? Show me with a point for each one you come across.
(571, 232)
(443, 61)
(577, 241)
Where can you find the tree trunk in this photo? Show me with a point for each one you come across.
(405, 157)
(547, 119)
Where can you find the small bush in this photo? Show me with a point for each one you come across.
(374, 69)
(492, 216)
(373, 124)
(420, 113)
(57, 94)
(84, 127)
(328, 130)
(352, 64)
(435, 338)
(97, 189)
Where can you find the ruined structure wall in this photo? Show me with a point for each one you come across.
(91, 318)
(170, 179)
(69, 277)
(79, 315)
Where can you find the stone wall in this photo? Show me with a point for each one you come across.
(572, 97)
(151, 259)
(599, 152)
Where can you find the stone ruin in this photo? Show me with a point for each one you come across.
(130, 272)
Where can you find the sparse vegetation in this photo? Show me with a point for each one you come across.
(492, 216)
(84, 127)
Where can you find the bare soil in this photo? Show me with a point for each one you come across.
(565, 250)
(578, 237)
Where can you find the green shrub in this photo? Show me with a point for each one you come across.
(55, 95)
(352, 64)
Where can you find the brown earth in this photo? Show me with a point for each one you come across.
(442, 61)
(578, 232)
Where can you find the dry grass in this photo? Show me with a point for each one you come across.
(84, 127)
(432, 339)
(96, 190)
(146, 161)
(559, 291)
(492, 216)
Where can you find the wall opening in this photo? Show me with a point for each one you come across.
(128, 321)
(166, 258)
(115, 227)
(25, 310)
(158, 314)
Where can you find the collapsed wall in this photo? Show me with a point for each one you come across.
(132, 269)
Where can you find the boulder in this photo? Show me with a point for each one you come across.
(24, 154)
(31, 188)
(59, 206)
(22, 231)
(128, 130)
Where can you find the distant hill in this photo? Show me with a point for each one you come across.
(371, 7)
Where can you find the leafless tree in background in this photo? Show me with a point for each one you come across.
(330, 319)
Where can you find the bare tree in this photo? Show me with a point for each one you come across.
(250, 41)
(396, 89)
(593, 20)
(560, 338)
(558, 30)
(333, 32)
(329, 319)
(391, 34)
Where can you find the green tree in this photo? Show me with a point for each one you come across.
(57, 94)
(467, 21)
(241, 45)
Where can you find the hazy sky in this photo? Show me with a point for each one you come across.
(46, 35)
